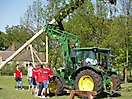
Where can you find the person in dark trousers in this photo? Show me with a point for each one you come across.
(18, 77)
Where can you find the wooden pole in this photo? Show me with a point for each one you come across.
(47, 49)
(37, 56)
(51, 22)
(21, 48)
(31, 48)
(25, 45)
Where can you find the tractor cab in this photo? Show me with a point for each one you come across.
(92, 56)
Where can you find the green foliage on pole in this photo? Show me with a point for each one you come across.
(67, 9)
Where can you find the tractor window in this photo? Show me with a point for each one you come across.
(89, 54)
(89, 58)
(102, 59)
(80, 56)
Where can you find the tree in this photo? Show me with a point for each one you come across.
(127, 22)
(89, 25)
(16, 35)
(37, 16)
(2, 40)
(34, 19)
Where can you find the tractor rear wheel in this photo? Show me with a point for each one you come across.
(115, 82)
(56, 86)
(88, 80)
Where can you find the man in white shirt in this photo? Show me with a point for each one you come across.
(29, 75)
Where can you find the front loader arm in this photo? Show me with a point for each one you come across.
(65, 38)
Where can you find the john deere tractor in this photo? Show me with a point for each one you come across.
(85, 69)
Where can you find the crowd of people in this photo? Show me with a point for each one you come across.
(38, 78)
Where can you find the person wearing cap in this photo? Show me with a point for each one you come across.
(29, 75)
(47, 72)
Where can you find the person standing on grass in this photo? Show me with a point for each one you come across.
(34, 84)
(39, 79)
(18, 77)
(47, 72)
(29, 75)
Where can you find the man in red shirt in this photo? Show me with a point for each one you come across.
(34, 71)
(47, 71)
(39, 78)
(18, 77)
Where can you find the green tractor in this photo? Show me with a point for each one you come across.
(85, 69)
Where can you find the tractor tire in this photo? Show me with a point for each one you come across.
(88, 80)
(116, 83)
(56, 86)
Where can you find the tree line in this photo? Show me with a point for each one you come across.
(95, 24)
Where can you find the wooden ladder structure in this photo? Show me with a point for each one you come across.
(90, 94)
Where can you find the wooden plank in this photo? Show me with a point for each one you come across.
(90, 94)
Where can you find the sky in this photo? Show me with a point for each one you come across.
(11, 11)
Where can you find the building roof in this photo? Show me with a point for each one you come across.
(14, 47)
(6, 54)
(25, 55)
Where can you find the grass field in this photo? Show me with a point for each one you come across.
(7, 90)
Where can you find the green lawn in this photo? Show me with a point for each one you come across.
(7, 90)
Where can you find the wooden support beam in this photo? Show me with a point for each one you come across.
(24, 46)
(31, 48)
(90, 94)
(47, 49)
(21, 48)
(35, 53)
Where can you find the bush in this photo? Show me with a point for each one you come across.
(9, 69)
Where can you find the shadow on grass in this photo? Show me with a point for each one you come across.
(25, 87)
(102, 95)
(1, 88)
(62, 94)
(105, 95)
